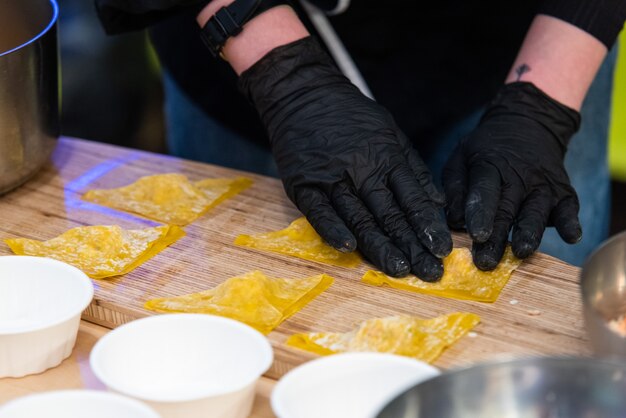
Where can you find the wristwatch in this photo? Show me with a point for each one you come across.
(229, 20)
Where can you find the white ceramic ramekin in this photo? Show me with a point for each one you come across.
(76, 404)
(184, 365)
(41, 301)
(355, 385)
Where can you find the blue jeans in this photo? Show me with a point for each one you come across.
(194, 135)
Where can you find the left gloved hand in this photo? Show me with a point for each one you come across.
(509, 172)
(345, 163)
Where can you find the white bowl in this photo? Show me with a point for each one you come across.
(41, 301)
(76, 404)
(355, 385)
(184, 365)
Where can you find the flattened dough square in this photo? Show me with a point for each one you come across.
(300, 240)
(253, 298)
(422, 339)
(169, 198)
(461, 279)
(101, 251)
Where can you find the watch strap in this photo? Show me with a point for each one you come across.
(229, 20)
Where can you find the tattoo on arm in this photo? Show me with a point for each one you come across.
(524, 68)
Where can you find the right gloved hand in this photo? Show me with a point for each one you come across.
(345, 164)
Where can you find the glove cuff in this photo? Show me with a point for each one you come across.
(289, 72)
(526, 100)
(280, 63)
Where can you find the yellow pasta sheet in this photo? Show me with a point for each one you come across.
(300, 240)
(101, 251)
(169, 198)
(422, 339)
(253, 298)
(461, 279)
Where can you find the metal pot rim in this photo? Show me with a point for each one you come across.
(53, 20)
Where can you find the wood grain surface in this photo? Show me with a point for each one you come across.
(538, 312)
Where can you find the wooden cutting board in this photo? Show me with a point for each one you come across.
(538, 313)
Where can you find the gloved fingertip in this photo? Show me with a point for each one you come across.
(432, 272)
(523, 249)
(338, 236)
(346, 245)
(442, 247)
(397, 267)
(433, 232)
(479, 222)
(480, 234)
(485, 261)
(571, 232)
(524, 244)
(576, 238)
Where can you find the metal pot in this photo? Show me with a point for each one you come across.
(29, 84)
(523, 388)
(603, 287)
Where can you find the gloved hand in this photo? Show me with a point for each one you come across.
(509, 173)
(345, 164)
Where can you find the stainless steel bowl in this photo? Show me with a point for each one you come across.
(525, 388)
(603, 287)
(29, 99)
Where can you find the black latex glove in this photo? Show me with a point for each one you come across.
(119, 16)
(509, 172)
(345, 164)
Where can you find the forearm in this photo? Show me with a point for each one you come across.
(560, 59)
(275, 27)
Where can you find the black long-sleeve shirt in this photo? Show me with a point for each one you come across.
(429, 67)
(603, 19)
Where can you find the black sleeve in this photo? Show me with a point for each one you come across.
(118, 16)
(602, 19)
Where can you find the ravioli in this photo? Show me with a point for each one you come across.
(101, 251)
(169, 198)
(461, 279)
(253, 298)
(422, 339)
(300, 240)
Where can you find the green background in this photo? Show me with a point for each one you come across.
(617, 133)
